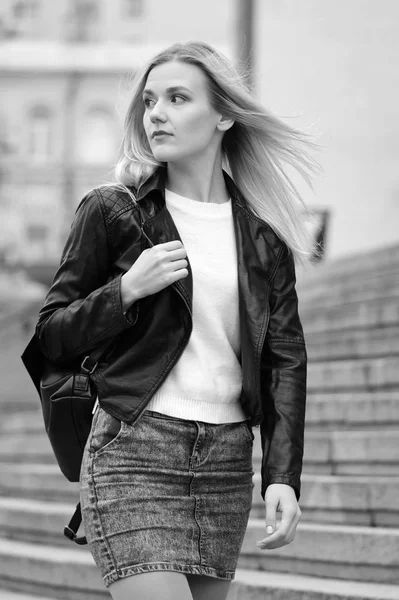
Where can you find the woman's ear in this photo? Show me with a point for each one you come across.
(224, 123)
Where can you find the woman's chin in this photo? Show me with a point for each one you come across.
(164, 155)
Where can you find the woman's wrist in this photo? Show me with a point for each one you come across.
(128, 295)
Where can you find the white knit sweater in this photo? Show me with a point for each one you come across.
(205, 384)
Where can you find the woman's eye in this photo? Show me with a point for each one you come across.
(148, 102)
(177, 97)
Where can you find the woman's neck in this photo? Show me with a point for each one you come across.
(202, 181)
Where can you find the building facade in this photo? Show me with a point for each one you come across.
(65, 68)
(330, 68)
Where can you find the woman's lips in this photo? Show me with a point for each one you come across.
(160, 134)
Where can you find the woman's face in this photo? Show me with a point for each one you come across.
(176, 100)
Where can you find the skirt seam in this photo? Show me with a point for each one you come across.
(100, 523)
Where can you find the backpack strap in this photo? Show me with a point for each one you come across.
(88, 366)
(34, 361)
(70, 530)
(89, 363)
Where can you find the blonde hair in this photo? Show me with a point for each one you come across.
(256, 149)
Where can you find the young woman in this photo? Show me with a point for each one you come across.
(187, 262)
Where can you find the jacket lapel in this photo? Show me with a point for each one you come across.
(159, 229)
(257, 249)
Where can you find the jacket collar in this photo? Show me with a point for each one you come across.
(156, 183)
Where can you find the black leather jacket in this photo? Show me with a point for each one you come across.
(83, 309)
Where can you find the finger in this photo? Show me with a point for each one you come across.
(177, 254)
(173, 245)
(279, 541)
(180, 274)
(282, 530)
(276, 540)
(284, 534)
(285, 537)
(179, 264)
(295, 521)
(271, 510)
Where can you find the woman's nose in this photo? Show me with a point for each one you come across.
(157, 114)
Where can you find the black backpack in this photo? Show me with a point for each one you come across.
(67, 396)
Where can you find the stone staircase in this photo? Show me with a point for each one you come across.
(347, 544)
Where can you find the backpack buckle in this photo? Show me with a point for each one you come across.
(86, 367)
(71, 535)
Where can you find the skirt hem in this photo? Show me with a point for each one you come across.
(165, 566)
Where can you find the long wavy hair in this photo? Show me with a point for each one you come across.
(256, 150)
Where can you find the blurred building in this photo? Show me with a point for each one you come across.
(327, 66)
(333, 67)
(64, 71)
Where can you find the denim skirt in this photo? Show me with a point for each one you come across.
(166, 494)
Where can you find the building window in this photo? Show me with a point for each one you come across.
(18, 17)
(82, 20)
(39, 146)
(132, 9)
(97, 136)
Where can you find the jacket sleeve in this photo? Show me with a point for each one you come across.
(283, 371)
(83, 307)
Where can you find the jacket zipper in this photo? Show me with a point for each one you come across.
(162, 379)
(258, 359)
(184, 343)
(176, 283)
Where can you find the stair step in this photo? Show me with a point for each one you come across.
(366, 501)
(65, 573)
(370, 287)
(352, 410)
(322, 286)
(353, 304)
(357, 500)
(26, 447)
(332, 451)
(69, 575)
(360, 374)
(352, 315)
(30, 421)
(9, 595)
(356, 343)
(323, 283)
(334, 410)
(35, 520)
(258, 585)
(342, 551)
(330, 408)
(361, 265)
(36, 481)
(346, 452)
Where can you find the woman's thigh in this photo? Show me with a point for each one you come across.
(153, 585)
(208, 588)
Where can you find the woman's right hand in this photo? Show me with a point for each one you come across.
(155, 269)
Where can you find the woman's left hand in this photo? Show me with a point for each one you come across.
(280, 497)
